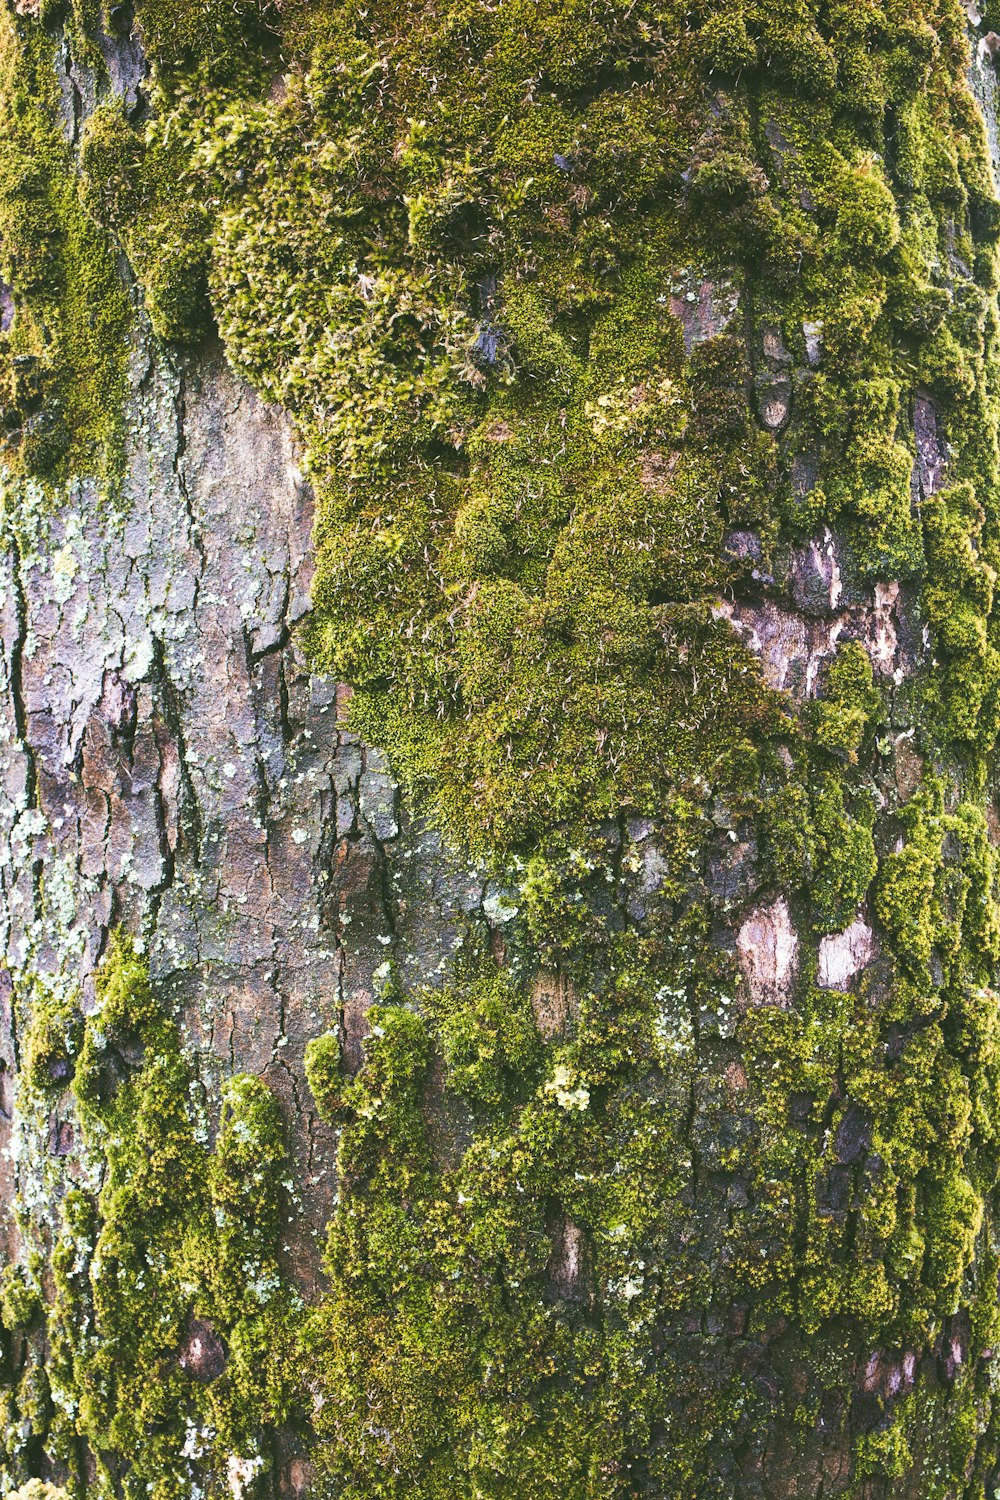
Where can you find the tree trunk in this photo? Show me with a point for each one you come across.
(499, 692)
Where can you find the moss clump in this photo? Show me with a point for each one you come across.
(460, 1292)
(52, 1044)
(488, 1038)
(20, 1299)
(324, 1075)
(958, 600)
(884, 1452)
(938, 887)
(437, 345)
(904, 1166)
(849, 707)
(134, 181)
(63, 355)
(225, 45)
(507, 1238)
(179, 1236)
(844, 854)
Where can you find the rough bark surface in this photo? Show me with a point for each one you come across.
(185, 799)
(171, 766)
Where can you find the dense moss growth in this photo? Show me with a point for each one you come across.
(454, 246)
(592, 320)
(462, 283)
(169, 1326)
(63, 352)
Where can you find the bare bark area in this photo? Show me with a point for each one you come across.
(169, 765)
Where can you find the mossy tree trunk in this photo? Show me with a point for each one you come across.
(499, 692)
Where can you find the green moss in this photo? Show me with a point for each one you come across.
(135, 182)
(844, 855)
(448, 1307)
(884, 1452)
(324, 1075)
(176, 1232)
(520, 395)
(483, 256)
(52, 1043)
(111, 154)
(488, 1039)
(958, 603)
(20, 1300)
(224, 44)
(63, 359)
(849, 705)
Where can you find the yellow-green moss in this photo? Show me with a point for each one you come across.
(63, 360)
(180, 1234)
(52, 1043)
(463, 245)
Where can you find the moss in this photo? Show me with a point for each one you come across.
(884, 1452)
(488, 1039)
(422, 1240)
(446, 1308)
(484, 257)
(450, 584)
(135, 182)
(866, 217)
(176, 1232)
(52, 1044)
(437, 375)
(63, 358)
(324, 1075)
(224, 44)
(849, 706)
(111, 154)
(844, 854)
(958, 603)
(20, 1300)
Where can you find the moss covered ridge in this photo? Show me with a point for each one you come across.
(593, 321)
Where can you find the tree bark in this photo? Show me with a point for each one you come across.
(498, 706)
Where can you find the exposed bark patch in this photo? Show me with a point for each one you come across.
(704, 308)
(768, 949)
(553, 1001)
(842, 955)
(202, 1354)
(931, 458)
(568, 1266)
(794, 644)
(167, 757)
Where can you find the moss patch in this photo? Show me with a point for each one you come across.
(169, 1323)
(63, 350)
(590, 319)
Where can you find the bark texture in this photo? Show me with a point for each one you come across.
(498, 701)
